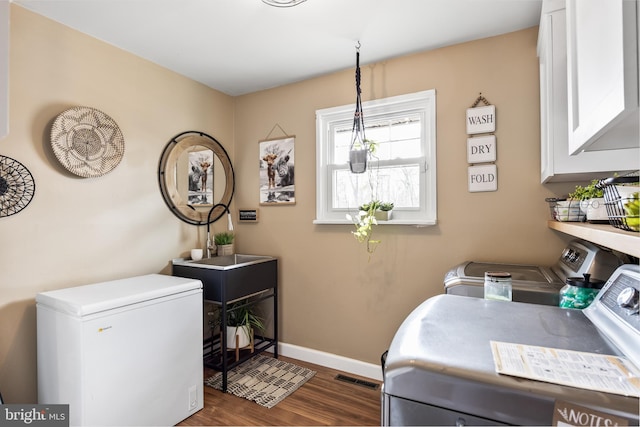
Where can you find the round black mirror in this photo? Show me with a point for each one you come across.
(196, 177)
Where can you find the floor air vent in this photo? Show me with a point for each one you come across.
(368, 384)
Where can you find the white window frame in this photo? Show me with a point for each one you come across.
(423, 102)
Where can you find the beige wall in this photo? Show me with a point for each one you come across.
(78, 231)
(334, 299)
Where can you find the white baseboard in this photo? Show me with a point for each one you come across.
(333, 361)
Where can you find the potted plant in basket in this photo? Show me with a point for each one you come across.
(224, 242)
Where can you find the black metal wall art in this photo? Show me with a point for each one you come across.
(17, 186)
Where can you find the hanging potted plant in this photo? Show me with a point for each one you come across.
(359, 154)
(358, 159)
(361, 148)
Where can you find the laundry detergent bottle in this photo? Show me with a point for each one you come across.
(579, 292)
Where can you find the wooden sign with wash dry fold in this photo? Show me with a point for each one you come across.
(481, 119)
(483, 178)
(481, 149)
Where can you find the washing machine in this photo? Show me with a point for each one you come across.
(532, 283)
(441, 368)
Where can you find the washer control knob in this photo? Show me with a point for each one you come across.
(628, 298)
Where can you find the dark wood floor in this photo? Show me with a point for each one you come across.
(321, 401)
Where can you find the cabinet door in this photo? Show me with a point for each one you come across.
(603, 74)
(556, 163)
(553, 90)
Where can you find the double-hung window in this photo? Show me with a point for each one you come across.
(402, 170)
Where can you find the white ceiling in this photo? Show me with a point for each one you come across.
(243, 46)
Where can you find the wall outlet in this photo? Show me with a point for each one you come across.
(193, 397)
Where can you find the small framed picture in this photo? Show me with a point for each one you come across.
(481, 149)
(277, 177)
(200, 177)
(481, 119)
(248, 215)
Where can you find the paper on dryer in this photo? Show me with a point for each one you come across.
(589, 371)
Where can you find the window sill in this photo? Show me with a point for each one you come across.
(426, 223)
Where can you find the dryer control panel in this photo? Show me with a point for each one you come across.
(580, 257)
(616, 310)
(573, 257)
(621, 297)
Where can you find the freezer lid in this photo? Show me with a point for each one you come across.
(94, 298)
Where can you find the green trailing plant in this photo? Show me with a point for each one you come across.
(364, 223)
(367, 144)
(588, 192)
(223, 238)
(365, 220)
(371, 145)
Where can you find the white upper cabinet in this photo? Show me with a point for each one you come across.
(602, 52)
(556, 163)
(4, 68)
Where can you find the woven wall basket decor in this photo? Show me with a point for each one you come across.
(16, 186)
(87, 142)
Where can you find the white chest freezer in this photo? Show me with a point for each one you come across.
(124, 352)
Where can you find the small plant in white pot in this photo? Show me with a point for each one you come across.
(591, 200)
(381, 210)
(383, 213)
(242, 321)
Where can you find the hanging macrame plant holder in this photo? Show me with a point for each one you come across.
(359, 149)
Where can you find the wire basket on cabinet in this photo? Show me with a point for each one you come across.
(621, 200)
(565, 210)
